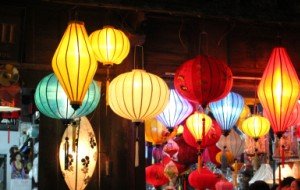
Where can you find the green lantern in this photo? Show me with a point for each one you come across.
(52, 101)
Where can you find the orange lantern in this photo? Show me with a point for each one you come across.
(155, 132)
(278, 90)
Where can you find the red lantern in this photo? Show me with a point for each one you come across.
(210, 138)
(186, 154)
(203, 79)
(203, 179)
(224, 185)
(155, 175)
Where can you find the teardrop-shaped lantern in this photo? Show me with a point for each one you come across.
(78, 166)
(155, 132)
(111, 46)
(198, 124)
(74, 63)
(203, 79)
(176, 110)
(256, 126)
(138, 95)
(52, 100)
(278, 90)
(227, 110)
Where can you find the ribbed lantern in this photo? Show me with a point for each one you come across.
(256, 126)
(203, 79)
(198, 124)
(52, 100)
(74, 63)
(138, 95)
(278, 90)
(111, 46)
(176, 110)
(227, 110)
(155, 132)
(78, 166)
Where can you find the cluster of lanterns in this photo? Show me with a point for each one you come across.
(201, 84)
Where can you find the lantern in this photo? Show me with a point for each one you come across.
(295, 116)
(110, 45)
(52, 100)
(155, 132)
(264, 173)
(78, 166)
(171, 148)
(74, 63)
(224, 185)
(244, 115)
(278, 90)
(204, 179)
(198, 124)
(176, 110)
(171, 172)
(227, 154)
(256, 126)
(187, 155)
(138, 95)
(227, 110)
(203, 79)
(155, 175)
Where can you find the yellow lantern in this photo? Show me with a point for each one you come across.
(244, 115)
(74, 63)
(155, 132)
(111, 46)
(256, 126)
(78, 166)
(198, 123)
(138, 95)
(229, 157)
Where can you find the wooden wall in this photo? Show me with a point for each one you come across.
(169, 40)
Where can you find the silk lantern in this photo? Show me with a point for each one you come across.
(155, 175)
(203, 179)
(198, 124)
(295, 116)
(51, 100)
(203, 79)
(264, 173)
(176, 110)
(78, 166)
(224, 185)
(256, 126)
(227, 110)
(155, 132)
(110, 45)
(244, 115)
(74, 63)
(278, 90)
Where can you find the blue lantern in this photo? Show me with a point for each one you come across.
(52, 101)
(227, 111)
(176, 110)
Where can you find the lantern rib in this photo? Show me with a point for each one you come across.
(67, 69)
(122, 48)
(99, 42)
(127, 110)
(142, 95)
(182, 111)
(106, 41)
(152, 112)
(46, 89)
(78, 65)
(115, 47)
(117, 101)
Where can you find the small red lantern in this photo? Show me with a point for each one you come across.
(155, 175)
(203, 79)
(203, 179)
(186, 154)
(224, 185)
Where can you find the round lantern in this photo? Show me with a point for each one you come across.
(227, 154)
(198, 124)
(203, 179)
(278, 90)
(227, 110)
(111, 46)
(244, 115)
(52, 100)
(155, 132)
(256, 126)
(171, 148)
(224, 185)
(155, 175)
(138, 95)
(78, 164)
(74, 63)
(203, 79)
(176, 110)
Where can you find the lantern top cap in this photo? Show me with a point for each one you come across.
(141, 70)
(76, 22)
(108, 26)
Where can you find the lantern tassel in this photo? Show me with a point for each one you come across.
(66, 153)
(235, 173)
(136, 157)
(107, 88)
(199, 163)
(8, 134)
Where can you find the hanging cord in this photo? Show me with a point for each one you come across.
(135, 65)
(77, 145)
(136, 157)
(107, 87)
(226, 33)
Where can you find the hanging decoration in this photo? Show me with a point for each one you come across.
(74, 63)
(171, 172)
(225, 155)
(186, 155)
(203, 79)
(196, 179)
(155, 132)
(256, 126)
(259, 147)
(227, 111)
(171, 148)
(224, 185)
(295, 116)
(78, 166)
(155, 175)
(177, 110)
(264, 173)
(244, 115)
(278, 90)
(51, 100)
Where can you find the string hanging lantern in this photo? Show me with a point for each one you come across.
(52, 100)
(176, 110)
(227, 110)
(278, 90)
(74, 63)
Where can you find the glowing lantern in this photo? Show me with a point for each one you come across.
(155, 132)
(196, 179)
(74, 63)
(227, 154)
(138, 95)
(256, 126)
(52, 100)
(264, 173)
(155, 175)
(227, 110)
(111, 46)
(244, 115)
(278, 90)
(78, 166)
(199, 124)
(176, 110)
(295, 116)
(203, 79)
